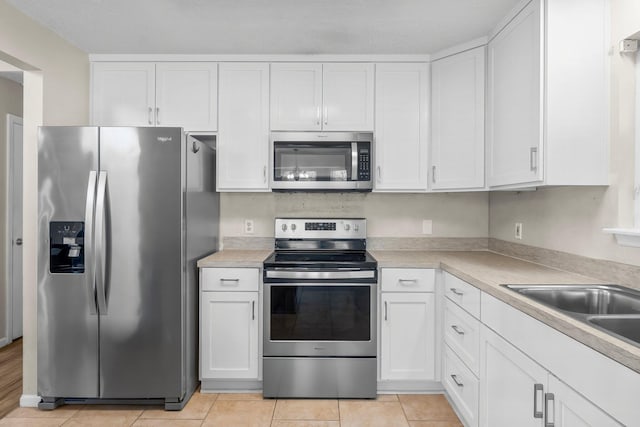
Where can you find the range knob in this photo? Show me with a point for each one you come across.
(284, 227)
(356, 227)
(293, 227)
(347, 227)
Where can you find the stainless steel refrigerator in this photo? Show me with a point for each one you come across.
(124, 213)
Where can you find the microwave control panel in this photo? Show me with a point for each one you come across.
(364, 162)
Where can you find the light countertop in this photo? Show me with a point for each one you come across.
(487, 271)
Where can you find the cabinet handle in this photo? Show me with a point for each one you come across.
(379, 177)
(318, 115)
(150, 115)
(264, 174)
(403, 281)
(549, 413)
(457, 292)
(232, 282)
(533, 158)
(326, 115)
(455, 379)
(253, 310)
(433, 174)
(457, 329)
(158, 115)
(537, 389)
(385, 311)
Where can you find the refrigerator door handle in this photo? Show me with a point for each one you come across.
(100, 247)
(89, 256)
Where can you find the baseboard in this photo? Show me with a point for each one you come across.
(410, 386)
(4, 341)
(29, 400)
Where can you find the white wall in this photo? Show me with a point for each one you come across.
(572, 219)
(10, 103)
(388, 215)
(56, 91)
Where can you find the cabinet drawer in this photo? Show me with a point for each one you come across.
(230, 279)
(407, 280)
(463, 294)
(462, 334)
(462, 387)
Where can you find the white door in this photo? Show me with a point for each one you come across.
(123, 94)
(407, 336)
(512, 386)
(243, 131)
(296, 96)
(457, 117)
(14, 131)
(570, 409)
(514, 117)
(187, 95)
(402, 127)
(347, 93)
(229, 335)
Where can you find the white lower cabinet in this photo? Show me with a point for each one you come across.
(229, 327)
(516, 391)
(407, 325)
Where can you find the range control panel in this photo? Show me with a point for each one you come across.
(314, 228)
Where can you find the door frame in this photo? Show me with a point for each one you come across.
(11, 121)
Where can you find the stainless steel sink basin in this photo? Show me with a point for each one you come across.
(612, 309)
(626, 327)
(587, 299)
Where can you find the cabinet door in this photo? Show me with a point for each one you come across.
(570, 409)
(123, 94)
(187, 95)
(407, 336)
(514, 117)
(296, 96)
(229, 335)
(347, 94)
(402, 126)
(457, 153)
(243, 134)
(511, 385)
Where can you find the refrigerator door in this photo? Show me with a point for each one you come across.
(141, 319)
(67, 319)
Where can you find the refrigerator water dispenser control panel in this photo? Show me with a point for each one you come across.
(66, 247)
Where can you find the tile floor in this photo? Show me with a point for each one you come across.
(251, 410)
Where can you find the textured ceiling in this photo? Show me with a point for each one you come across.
(267, 26)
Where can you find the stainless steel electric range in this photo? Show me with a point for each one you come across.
(320, 310)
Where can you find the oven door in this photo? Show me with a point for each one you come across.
(320, 319)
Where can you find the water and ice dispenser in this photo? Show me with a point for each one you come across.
(66, 246)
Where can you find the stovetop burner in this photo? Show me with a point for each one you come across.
(320, 260)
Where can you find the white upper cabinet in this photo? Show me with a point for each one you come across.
(187, 95)
(243, 135)
(123, 93)
(402, 127)
(547, 118)
(457, 121)
(181, 94)
(313, 97)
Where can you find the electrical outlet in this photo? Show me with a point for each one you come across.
(427, 226)
(248, 226)
(518, 231)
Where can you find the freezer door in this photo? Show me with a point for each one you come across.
(67, 320)
(141, 264)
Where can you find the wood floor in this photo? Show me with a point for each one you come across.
(10, 377)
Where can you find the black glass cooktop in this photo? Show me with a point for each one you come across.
(320, 259)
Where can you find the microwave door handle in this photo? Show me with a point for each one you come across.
(354, 161)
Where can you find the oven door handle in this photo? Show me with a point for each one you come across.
(320, 275)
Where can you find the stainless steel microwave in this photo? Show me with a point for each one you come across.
(321, 161)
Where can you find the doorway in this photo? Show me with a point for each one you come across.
(14, 227)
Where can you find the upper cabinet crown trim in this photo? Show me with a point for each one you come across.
(255, 58)
(463, 47)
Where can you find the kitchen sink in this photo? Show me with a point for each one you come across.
(610, 308)
(584, 299)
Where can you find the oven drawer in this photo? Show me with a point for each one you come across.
(462, 386)
(408, 279)
(462, 334)
(230, 279)
(463, 294)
